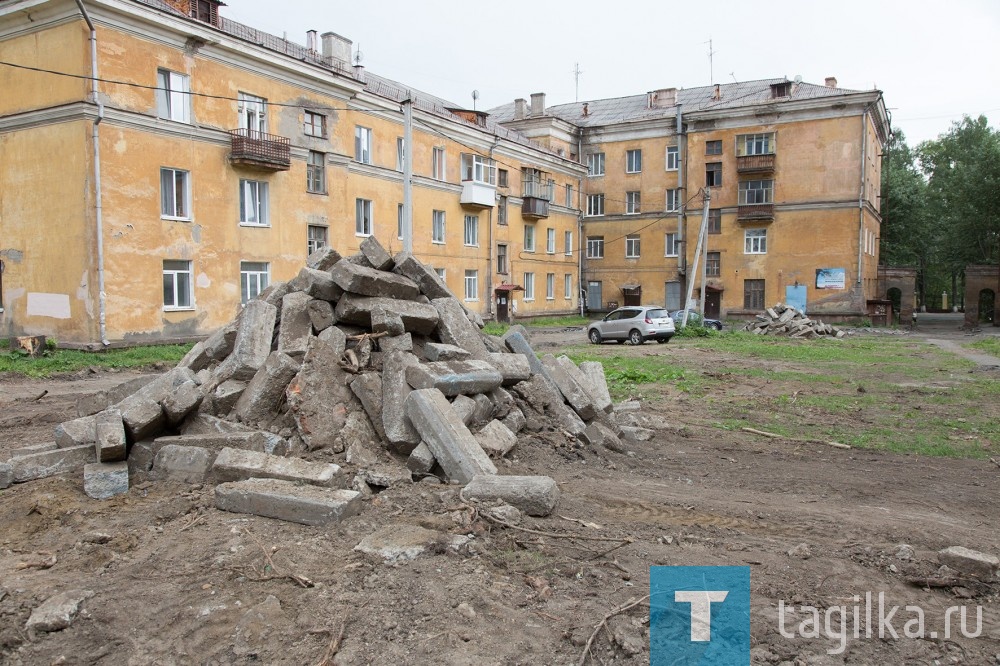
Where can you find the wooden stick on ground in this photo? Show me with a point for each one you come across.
(773, 435)
(554, 535)
(604, 621)
(334, 646)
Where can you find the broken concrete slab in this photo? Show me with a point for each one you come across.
(389, 344)
(323, 259)
(439, 351)
(464, 408)
(220, 344)
(534, 495)
(319, 397)
(184, 464)
(263, 394)
(109, 434)
(227, 394)
(368, 388)
(516, 329)
(76, 432)
(454, 328)
(296, 325)
(256, 440)
(399, 543)
(318, 284)
(542, 403)
(182, 401)
(430, 283)
(421, 460)
(417, 317)
(575, 395)
(92, 403)
(238, 465)
(398, 429)
(205, 424)
(969, 561)
(274, 293)
(32, 448)
(638, 434)
(6, 475)
(105, 480)
(513, 367)
(599, 434)
(514, 420)
(502, 401)
(453, 446)
(455, 377)
(253, 342)
(366, 281)
(496, 439)
(57, 612)
(49, 463)
(336, 338)
(285, 500)
(597, 385)
(321, 315)
(376, 255)
(385, 321)
(143, 416)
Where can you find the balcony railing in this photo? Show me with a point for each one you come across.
(755, 212)
(259, 150)
(533, 188)
(753, 163)
(534, 207)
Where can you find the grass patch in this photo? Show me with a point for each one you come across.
(498, 328)
(627, 375)
(990, 345)
(71, 360)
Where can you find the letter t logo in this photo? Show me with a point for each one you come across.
(701, 610)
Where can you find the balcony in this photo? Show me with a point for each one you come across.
(477, 194)
(755, 212)
(755, 163)
(257, 150)
(534, 208)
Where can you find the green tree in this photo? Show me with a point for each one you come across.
(908, 235)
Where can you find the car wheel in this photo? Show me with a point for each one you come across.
(595, 336)
(635, 337)
(660, 341)
(718, 326)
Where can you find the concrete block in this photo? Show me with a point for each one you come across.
(319, 397)
(534, 495)
(514, 420)
(220, 344)
(638, 434)
(454, 377)
(397, 427)
(197, 358)
(366, 281)
(91, 404)
(399, 543)
(205, 424)
(516, 329)
(439, 351)
(574, 393)
(321, 315)
(376, 255)
(253, 342)
(389, 344)
(273, 294)
(264, 392)
(57, 612)
(542, 404)
(140, 460)
(49, 463)
(421, 460)
(256, 440)
(496, 439)
(32, 448)
(184, 464)
(502, 401)
(227, 394)
(513, 367)
(76, 432)
(359, 260)
(453, 446)
(336, 338)
(6, 475)
(430, 284)
(970, 562)
(143, 416)
(483, 413)
(386, 321)
(316, 283)
(284, 500)
(598, 434)
(110, 436)
(105, 480)
(238, 465)
(597, 385)
(296, 325)
(628, 406)
(518, 344)
(368, 388)
(464, 408)
(417, 317)
(323, 259)
(454, 328)
(181, 401)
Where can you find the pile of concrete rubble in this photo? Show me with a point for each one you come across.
(786, 320)
(370, 357)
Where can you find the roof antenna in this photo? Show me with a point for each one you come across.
(475, 96)
(733, 74)
(358, 55)
(711, 60)
(576, 74)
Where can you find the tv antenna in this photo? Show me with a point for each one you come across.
(711, 60)
(358, 56)
(475, 96)
(576, 75)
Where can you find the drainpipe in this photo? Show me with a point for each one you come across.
(681, 166)
(99, 212)
(861, 195)
(489, 269)
(580, 239)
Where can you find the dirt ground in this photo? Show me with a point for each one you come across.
(175, 581)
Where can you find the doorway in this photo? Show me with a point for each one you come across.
(594, 298)
(713, 303)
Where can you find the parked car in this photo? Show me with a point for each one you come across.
(636, 324)
(695, 320)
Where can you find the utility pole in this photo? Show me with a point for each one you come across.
(699, 250)
(408, 173)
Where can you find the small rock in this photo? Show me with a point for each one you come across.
(96, 537)
(801, 551)
(969, 561)
(58, 612)
(466, 611)
(504, 512)
(905, 552)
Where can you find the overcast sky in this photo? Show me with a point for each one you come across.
(935, 61)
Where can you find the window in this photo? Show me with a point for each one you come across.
(568, 243)
(753, 294)
(478, 169)
(595, 164)
(673, 158)
(714, 221)
(399, 221)
(569, 195)
(253, 203)
(755, 241)
(252, 112)
(550, 240)
(633, 161)
(595, 247)
(439, 164)
(472, 285)
(502, 178)
(502, 212)
(172, 99)
(713, 147)
(175, 194)
(314, 124)
(363, 217)
(316, 238)
(363, 145)
(632, 246)
(502, 258)
(400, 153)
(673, 201)
(440, 273)
(529, 238)
(756, 192)
(254, 278)
(595, 205)
(671, 247)
(568, 286)
(534, 183)
(713, 174)
(437, 226)
(529, 286)
(755, 144)
(316, 172)
(632, 203)
(177, 285)
(472, 230)
(550, 286)
(713, 264)
(781, 89)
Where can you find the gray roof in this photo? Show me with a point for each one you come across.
(636, 107)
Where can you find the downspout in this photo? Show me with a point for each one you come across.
(861, 195)
(99, 212)
(579, 229)
(681, 166)
(489, 270)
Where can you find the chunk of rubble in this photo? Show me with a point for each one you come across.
(788, 321)
(396, 543)
(286, 500)
(969, 561)
(535, 495)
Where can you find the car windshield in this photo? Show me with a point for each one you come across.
(656, 314)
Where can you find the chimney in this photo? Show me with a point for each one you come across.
(336, 47)
(519, 108)
(663, 98)
(359, 73)
(831, 82)
(537, 104)
(586, 109)
(311, 39)
(717, 95)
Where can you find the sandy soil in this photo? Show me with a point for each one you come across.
(175, 581)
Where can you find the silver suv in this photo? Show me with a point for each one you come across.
(633, 323)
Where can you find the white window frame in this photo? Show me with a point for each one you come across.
(633, 160)
(568, 243)
(550, 286)
(254, 203)
(568, 286)
(439, 163)
(309, 124)
(595, 247)
(529, 286)
(569, 195)
(471, 231)
(761, 143)
(471, 285)
(314, 242)
(173, 99)
(364, 217)
(255, 276)
(440, 273)
(177, 268)
(550, 240)
(673, 203)
(763, 193)
(673, 158)
(670, 244)
(633, 202)
(399, 221)
(479, 169)
(316, 172)
(529, 238)
(438, 227)
(175, 195)
(633, 246)
(755, 241)
(362, 144)
(252, 112)
(400, 152)
(595, 205)
(503, 258)
(595, 164)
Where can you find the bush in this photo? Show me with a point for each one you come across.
(696, 331)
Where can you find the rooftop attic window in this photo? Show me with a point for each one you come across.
(206, 11)
(783, 89)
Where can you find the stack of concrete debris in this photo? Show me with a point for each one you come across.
(786, 320)
(370, 357)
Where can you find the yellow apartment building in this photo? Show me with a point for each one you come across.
(791, 171)
(161, 164)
